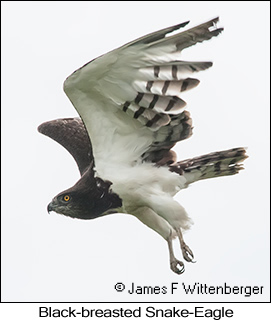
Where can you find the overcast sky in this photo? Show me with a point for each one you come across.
(55, 258)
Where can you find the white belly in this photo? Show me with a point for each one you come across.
(136, 184)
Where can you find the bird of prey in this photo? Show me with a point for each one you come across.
(131, 115)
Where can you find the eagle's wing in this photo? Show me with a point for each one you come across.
(129, 99)
(72, 135)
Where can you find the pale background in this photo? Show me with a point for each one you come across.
(54, 258)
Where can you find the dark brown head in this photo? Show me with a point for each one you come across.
(89, 198)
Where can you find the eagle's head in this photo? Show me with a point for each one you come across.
(89, 198)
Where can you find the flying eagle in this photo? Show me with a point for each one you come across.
(131, 115)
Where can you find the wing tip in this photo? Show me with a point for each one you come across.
(212, 22)
(181, 25)
(46, 126)
(41, 127)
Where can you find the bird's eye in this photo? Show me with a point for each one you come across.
(66, 198)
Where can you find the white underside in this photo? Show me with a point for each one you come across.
(147, 192)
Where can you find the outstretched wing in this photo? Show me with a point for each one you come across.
(72, 135)
(129, 99)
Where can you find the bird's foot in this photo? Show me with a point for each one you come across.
(187, 253)
(177, 266)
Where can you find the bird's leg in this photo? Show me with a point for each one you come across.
(186, 251)
(176, 265)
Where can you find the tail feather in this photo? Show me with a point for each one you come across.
(221, 163)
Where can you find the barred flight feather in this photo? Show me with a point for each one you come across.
(174, 70)
(180, 128)
(171, 88)
(160, 104)
(147, 117)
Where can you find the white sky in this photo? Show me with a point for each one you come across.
(54, 258)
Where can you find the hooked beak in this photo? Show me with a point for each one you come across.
(50, 207)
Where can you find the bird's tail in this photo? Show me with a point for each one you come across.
(221, 163)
